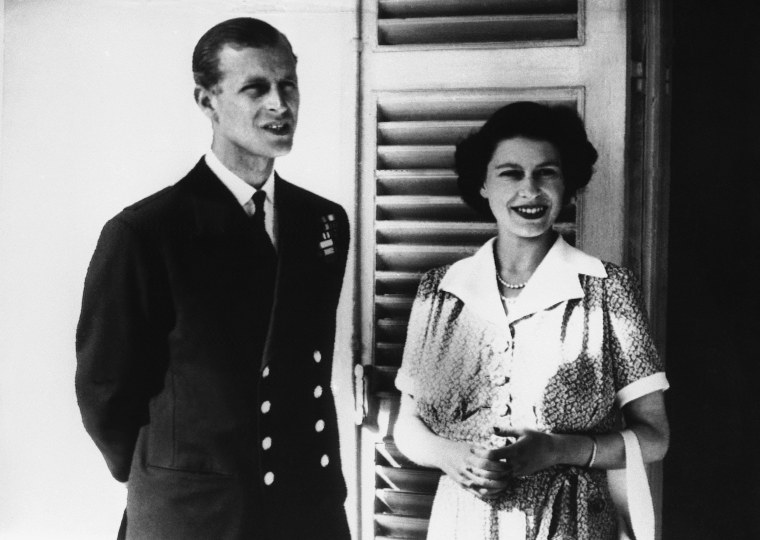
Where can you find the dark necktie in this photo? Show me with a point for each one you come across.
(265, 271)
(259, 223)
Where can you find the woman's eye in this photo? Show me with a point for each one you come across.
(547, 173)
(511, 174)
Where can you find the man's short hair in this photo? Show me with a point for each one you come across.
(238, 33)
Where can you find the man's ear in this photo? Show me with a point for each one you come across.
(204, 98)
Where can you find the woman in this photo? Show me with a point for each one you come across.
(520, 360)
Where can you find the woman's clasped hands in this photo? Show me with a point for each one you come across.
(487, 471)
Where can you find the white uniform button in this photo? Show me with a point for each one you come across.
(317, 356)
(265, 407)
(265, 373)
(317, 391)
(325, 461)
(266, 443)
(319, 426)
(269, 478)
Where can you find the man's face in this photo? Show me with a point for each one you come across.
(254, 107)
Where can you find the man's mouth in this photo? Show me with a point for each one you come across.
(535, 211)
(277, 128)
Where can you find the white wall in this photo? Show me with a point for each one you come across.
(97, 112)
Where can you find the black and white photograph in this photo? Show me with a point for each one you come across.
(379, 269)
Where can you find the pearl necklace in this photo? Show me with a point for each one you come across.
(511, 285)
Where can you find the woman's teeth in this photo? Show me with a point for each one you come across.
(530, 212)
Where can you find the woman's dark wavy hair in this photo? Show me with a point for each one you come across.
(240, 32)
(558, 125)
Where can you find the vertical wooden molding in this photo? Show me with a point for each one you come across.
(649, 172)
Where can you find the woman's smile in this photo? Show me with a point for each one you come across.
(531, 212)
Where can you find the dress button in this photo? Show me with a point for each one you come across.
(325, 461)
(317, 356)
(265, 407)
(266, 443)
(265, 373)
(269, 478)
(319, 426)
(317, 391)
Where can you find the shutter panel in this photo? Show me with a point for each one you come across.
(429, 76)
(421, 223)
(498, 22)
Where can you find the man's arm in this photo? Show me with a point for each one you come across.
(121, 348)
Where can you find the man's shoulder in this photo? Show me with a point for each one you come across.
(160, 205)
(308, 199)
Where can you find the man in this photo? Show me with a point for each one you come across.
(206, 336)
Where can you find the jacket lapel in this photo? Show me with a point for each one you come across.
(216, 211)
(292, 258)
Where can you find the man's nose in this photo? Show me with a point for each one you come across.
(275, 100)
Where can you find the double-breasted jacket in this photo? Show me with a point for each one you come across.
(216, 412)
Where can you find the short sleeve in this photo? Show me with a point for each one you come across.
(637, 368)
(411, 373)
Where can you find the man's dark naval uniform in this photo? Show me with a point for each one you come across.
(204, 362)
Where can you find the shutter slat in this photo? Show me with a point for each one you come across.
(389, 454)
(402, 503)
(403, 283)
(434, 232)
(415, 157)
(419, 258)
(426, 8)
(477, 29)
(441, 105)
(430, 132)
(428, 208)
(388, 352)
(409, 480)
(393, 305)
(391, 334)
(417, 182)
(407, 527)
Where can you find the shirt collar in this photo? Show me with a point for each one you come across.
(240, 189)
(473, 280)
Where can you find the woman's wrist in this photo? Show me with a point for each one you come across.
(575, 450)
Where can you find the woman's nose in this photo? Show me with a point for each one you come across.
(529, 185)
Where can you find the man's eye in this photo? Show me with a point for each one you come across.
(289, 86)
(256, 89)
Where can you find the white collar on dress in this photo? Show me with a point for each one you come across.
(473, 280)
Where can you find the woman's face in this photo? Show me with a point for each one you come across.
(524, 186)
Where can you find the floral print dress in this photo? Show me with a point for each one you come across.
(573, 349)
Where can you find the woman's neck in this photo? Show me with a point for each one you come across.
(517, 258)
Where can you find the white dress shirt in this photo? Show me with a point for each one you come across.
(243, 192)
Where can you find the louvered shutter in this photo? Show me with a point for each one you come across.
(456, 22)
(419, 98)
(421, 223)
